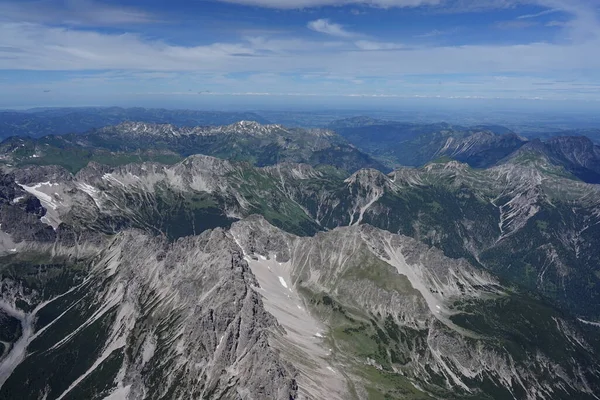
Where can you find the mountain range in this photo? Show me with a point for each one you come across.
(480, 146)
(261, 261)
(242, 141)
(40, 122)
(390, 143)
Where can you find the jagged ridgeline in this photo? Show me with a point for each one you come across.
(166, 143)
(216, 279)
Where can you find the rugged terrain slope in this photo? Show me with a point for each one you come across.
(216, 279)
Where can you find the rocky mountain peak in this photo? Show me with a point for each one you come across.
(368, 177)
(92, 170)
(36, 174)
(562, 155)
(140, 129)
(533, 151)
(484, 135)
(577, 149)
(251, 128)
(572, 141)
(246, 125)
(325, 133)
(451, 165)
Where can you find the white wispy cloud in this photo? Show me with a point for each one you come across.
(436, 33)
(281, 85)
(370, 45)
(330, 28)
(539, 14)
(559, 24)
(515, 24)
(584, 24)
(37, 47)
(433, 33)
(71, 12)
(294, 4)
(38, 44)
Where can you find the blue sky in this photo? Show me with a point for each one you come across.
(93, 52)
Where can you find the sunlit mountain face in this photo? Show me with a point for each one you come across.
(300, 199)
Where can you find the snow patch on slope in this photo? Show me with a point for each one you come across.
(50, 202)
(436, 287)
(300, 343)
(282, 281)
(91, 191)
(46, 199)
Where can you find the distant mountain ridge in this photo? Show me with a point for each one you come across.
(480, 146)
(592, 133)
(363, 142)
(248, 141)
(243, 127)
(59, 121)
(416, 144)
